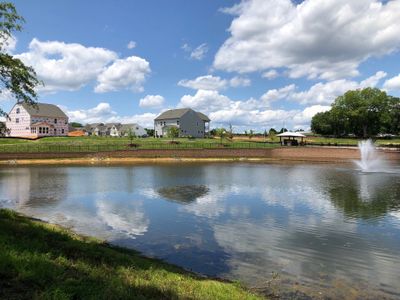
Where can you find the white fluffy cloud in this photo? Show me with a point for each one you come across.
(249, 113)
(238, 81)
(131, 45)
(278, 94)
(214, 83)
(98, 114)
(271, 74)
(152, 101)
(69, 67)
(207, 82)
(128, 73)
(205, 100)
(392, 84)
(66, 66)
(197, 53)
(321, 92)
(103, 113)
(318, 38)
(259, 113)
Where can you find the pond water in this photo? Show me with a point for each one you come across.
(322, 230)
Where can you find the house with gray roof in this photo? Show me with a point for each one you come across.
(38, 120)
(136, 129)
(114, 129)
(189, 122)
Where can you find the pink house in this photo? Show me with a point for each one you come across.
(37, 120)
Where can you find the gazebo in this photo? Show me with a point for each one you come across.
(291, 138)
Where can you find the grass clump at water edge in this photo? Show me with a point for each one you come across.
(44, 261)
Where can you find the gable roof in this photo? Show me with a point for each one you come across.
(178, 113)
(127, 126)
(44, 109)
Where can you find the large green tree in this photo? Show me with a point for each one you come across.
(364, 113)
(17, 78)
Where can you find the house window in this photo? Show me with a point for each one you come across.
(40, 129)
(177, 122)
(47, 129)
(17, 111)
(55, 131)
(55, 121)
(17, 120)
(62, 131)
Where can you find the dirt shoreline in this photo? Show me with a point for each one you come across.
(301, 154)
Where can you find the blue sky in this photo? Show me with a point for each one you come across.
(253, 64)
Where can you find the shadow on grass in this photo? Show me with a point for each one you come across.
(39, 260)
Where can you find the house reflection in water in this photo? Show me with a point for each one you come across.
(30, 187)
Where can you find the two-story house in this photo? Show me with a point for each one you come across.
(188, 121)
(38, 120)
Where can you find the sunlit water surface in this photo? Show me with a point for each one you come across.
(320, 229)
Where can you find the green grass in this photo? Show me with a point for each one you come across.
(99, 144)
(350, 141)
(44, 261)
(96, 144)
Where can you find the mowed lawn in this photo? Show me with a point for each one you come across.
(97, 144)
(44, 261)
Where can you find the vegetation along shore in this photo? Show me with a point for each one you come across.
(45, 261)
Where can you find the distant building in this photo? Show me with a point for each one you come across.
(136, 129)
(188, 121)
(114, 129)
(37, 120)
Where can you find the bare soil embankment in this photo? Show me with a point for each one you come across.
(310, 154)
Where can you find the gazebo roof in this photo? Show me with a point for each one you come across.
(291, 134)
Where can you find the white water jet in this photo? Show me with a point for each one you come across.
(371, 160)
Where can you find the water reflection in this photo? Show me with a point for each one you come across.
(30, 187)
(123, 217)
(366, 196)
(183, 194)
(315, 225)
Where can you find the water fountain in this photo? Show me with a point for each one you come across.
(371, 160)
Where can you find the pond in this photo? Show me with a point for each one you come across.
(322, 230)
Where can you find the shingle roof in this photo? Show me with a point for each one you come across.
(44, 109)
(178, 113)
(125, 127)
(203, 116)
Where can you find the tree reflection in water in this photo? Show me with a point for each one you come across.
(183, 194)
(365, 196)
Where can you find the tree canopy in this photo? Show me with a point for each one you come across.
(20, 80)
(363, 113)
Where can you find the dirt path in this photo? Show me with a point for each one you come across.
(312, 154)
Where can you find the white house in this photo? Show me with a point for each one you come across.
(188, 121)
(38, 120)
(115, 129)
(136, 129)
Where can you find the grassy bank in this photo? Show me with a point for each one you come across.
(99, 144)
(43, 261)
